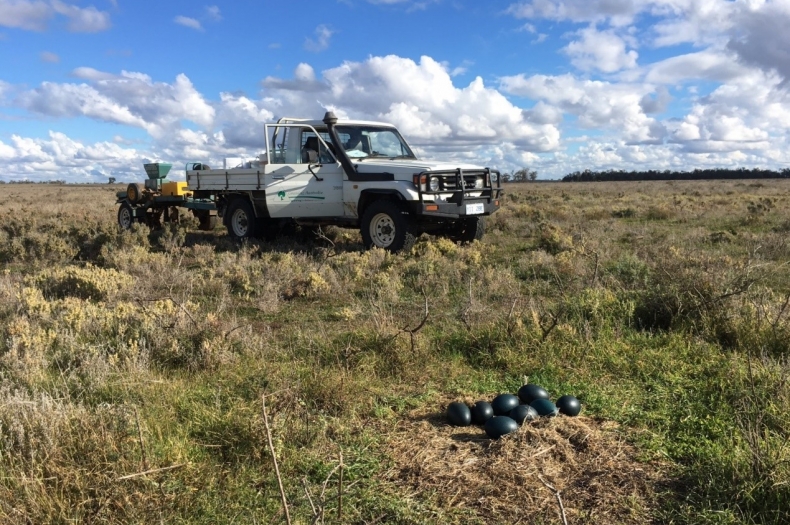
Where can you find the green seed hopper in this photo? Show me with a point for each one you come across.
(156, 171)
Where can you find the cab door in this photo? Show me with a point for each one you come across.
(304, 184)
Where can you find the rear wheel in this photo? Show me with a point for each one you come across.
(240, 219)
(385, 226)
(125, 216)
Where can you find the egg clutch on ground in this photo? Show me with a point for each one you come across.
(506, 412)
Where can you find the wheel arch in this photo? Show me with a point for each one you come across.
(367, 197)
(256, 199)
(224, 201)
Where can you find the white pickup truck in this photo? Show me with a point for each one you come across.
(349, 173)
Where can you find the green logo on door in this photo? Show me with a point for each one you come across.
(302, 196)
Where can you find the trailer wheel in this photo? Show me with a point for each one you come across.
(468, 230)
(134, 192)
(384, 225)
(240, 219)
(125, 216)
(208, 223)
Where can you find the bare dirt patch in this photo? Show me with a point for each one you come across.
(516, 479)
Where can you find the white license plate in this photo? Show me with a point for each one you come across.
(473, 209)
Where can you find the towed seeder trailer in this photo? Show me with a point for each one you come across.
(159, 200)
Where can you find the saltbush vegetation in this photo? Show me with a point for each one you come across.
(133, 364)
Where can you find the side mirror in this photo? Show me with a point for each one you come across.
(312, 156)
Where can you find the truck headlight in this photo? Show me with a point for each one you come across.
(494, 177)
(433, 184)
(478, 183)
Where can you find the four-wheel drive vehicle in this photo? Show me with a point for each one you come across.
(330, 172)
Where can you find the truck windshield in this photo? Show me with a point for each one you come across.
(371, 141)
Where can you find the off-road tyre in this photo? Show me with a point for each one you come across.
(125, 216)
(468, 229)
(239, 219)
(384, 225)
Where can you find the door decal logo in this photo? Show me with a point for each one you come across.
(312, 195)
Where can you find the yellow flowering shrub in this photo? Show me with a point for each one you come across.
(33, 301)
(28, 344)
(445, 246)
(89, 282)
(472, 254)
(241, 279)
(72, 331)
(316, 284)
(313, 285)
(552, 239)
(346, 314)
(359, 267)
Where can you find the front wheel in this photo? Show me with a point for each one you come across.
(240, 219)
(385, 226)
(125, 216)
(468, 229)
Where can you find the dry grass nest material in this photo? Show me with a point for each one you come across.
(516, 479)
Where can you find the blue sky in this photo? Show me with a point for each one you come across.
(91, 89)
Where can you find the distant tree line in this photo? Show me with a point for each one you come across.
(706, 174)
(23, 181)
(522, 175)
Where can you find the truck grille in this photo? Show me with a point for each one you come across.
(458, 180)
(460, 183)
(452, 183)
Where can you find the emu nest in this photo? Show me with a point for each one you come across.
(553, 470)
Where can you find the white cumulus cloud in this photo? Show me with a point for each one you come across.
(419, 97)
(214, 13)
(186, 21)
(241, 120)
(761, 39)
(703, 65)
(48, 56)
(619, 12)
(129, 98)
(595, 104)
(25, 14)
(83, 19)
(69, 100)
(600, 50)
(34, 15)
(320, 41)
(62, 158)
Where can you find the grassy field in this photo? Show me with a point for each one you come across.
(134, 366)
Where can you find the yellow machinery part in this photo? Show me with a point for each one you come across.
(174, 189)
